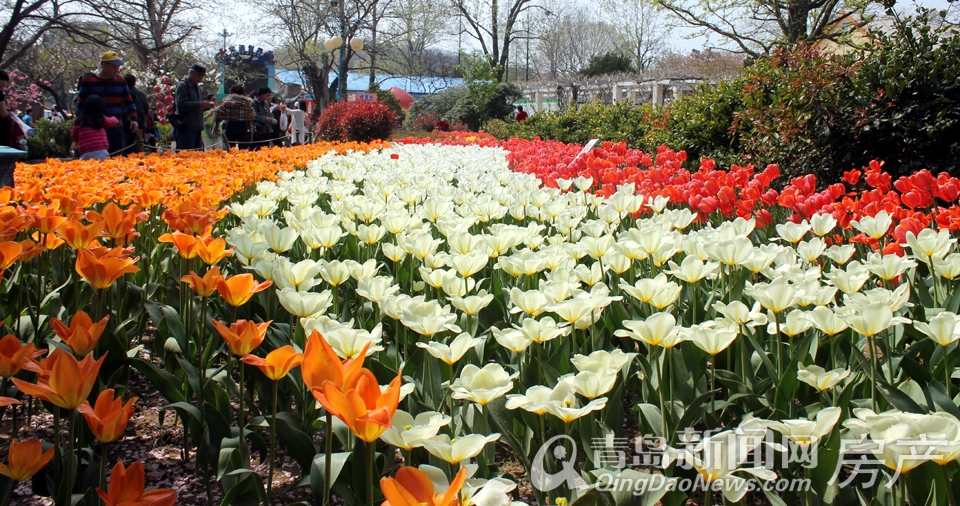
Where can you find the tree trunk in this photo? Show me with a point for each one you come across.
(373, 49)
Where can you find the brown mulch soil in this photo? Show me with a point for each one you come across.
(159, 447)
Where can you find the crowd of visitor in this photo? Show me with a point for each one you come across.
(113, 117)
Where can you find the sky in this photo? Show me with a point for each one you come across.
(682, 39)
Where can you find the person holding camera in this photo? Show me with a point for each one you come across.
(190, 105)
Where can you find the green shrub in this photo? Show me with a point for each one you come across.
(40, 149)
(699, 123)
(797, 111)
(437, 105)
(498, 106)
(52, 140)
(911, 84)
(508, 129)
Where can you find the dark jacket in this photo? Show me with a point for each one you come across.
(261, 112)
(143, 106)
(188, 99)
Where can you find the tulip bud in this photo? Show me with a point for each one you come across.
(171, 345)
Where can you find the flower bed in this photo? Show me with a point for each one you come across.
(400, 320)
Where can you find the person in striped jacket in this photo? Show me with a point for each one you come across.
(112, 88)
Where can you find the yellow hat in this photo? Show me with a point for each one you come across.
(111, 57)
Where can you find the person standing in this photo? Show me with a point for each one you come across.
(298, 124)
(280, 128)
(7, 130)
(56, 116)
(89, 130)
(143, 109)
(263, 120)
(521, 114)
(5, 119)
(190, 105)
(236, 112)
(112, 88)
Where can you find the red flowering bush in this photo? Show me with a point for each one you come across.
(356, 121)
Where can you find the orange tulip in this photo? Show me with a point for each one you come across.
(14, 354)
(190, 217)
(77, 235)
(321, 364)
(363, 408)
(68, 382)
(46, 219)
(186, 244)
(102, 272)
(126, 487)
(82, 335)
(25, 459)
(9, 253)
(205, 286)
(149, 198)
(413, 487)
(50, 241)
(237, 289)
(30, 250)
(8, 401)
(277, 363)
(108, 417)
(243, 335)
(117, 223)
(212, 251)
(43, 368)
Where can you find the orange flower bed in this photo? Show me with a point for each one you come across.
(148, 180)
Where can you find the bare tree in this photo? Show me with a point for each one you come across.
(57, 61)
(705, 64)
(151, 29)
(27, 22)
(493, 25)
(756, 27)
(305, 26)
(640, 29)
(411, 31)
(568, 40)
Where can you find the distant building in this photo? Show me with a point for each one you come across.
(251, 67)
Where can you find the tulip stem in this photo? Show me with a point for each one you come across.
(946, 375)
(104, 456)
(873, 373)
(776, 337)
(244, 459)
(713, 385)
(273, 443)
(9, 496)
(370, 451)
(890, 345)
(101, 305)
(936, 285)
(56, 443)
(663, 410)
(68, 483)
(201, 350)
(328, 457)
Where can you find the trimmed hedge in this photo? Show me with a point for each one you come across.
(357, 121)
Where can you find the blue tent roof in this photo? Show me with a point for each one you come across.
(414, 85)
